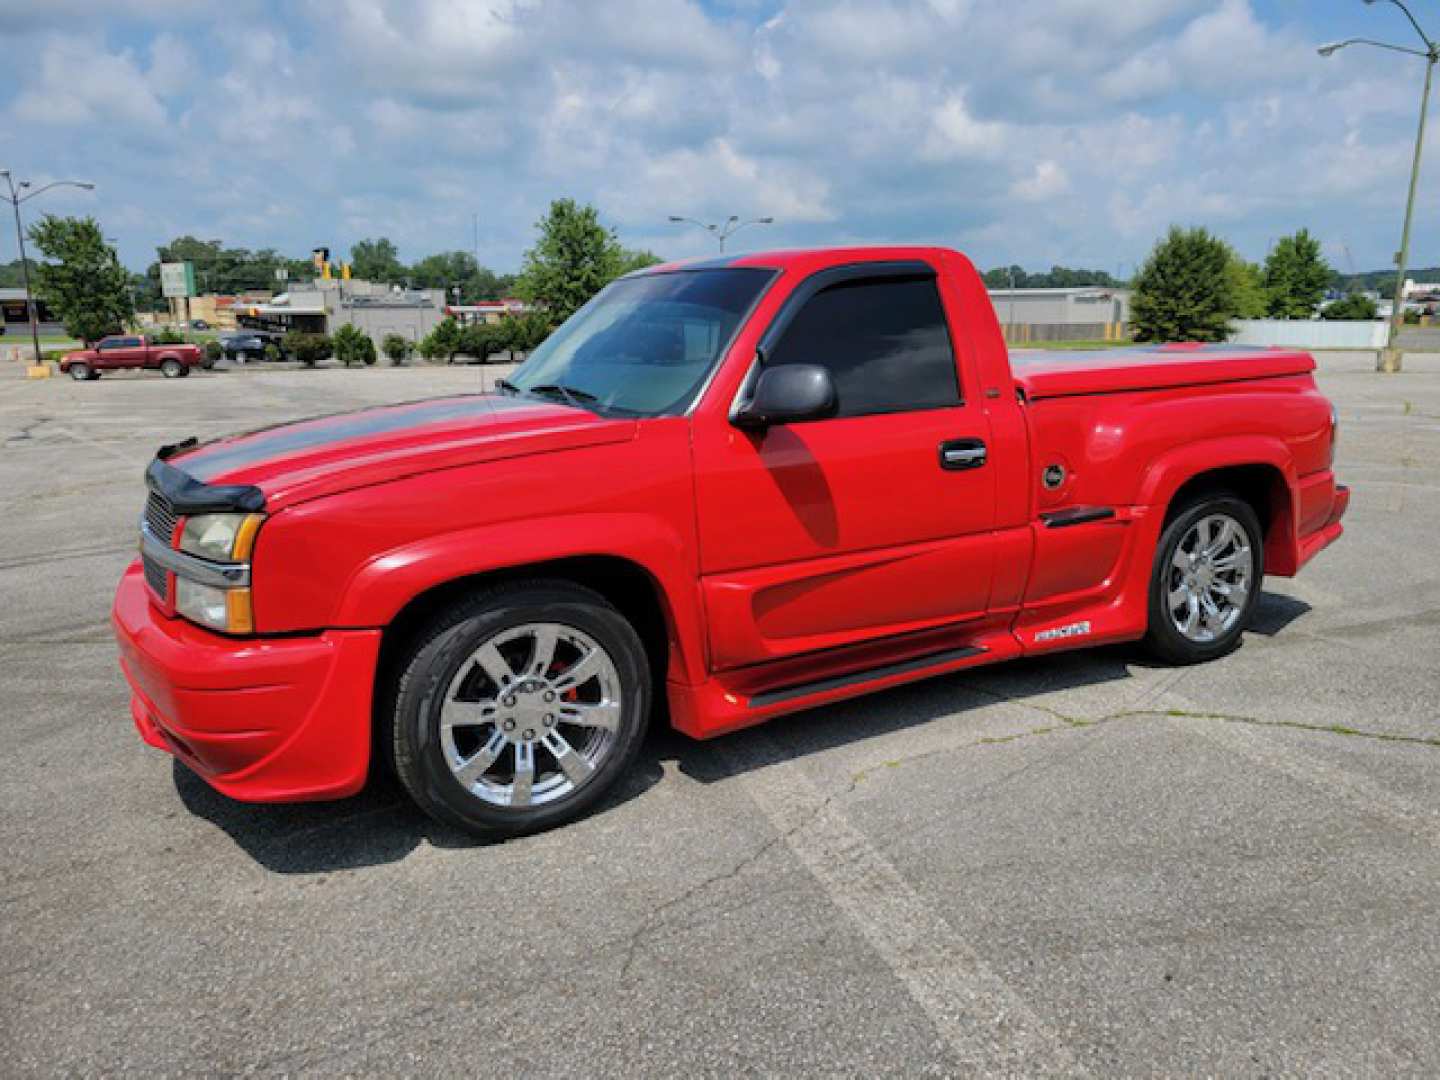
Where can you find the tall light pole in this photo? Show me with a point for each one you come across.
(1390, 357)
(728, 228)
(15, 199)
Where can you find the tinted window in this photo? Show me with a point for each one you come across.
(645, 344)
(884, 342)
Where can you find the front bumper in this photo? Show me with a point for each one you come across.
(262, 720)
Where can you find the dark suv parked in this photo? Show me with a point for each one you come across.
(247, 345)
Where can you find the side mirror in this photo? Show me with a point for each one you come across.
(788, 394)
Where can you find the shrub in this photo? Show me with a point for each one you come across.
(168, 336)
(309, 349)
(212, 352)
(1411, 318)
(443, 341)
(1353, 306)
(353, 346)
(273, 352)
(396, 348)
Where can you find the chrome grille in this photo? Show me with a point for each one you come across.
(156, 577)
(160, 516)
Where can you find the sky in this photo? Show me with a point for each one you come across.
(1040, 132)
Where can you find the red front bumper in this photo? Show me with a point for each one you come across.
(263, 720)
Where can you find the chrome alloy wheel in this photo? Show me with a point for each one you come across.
(530, 715)
(1209, 578)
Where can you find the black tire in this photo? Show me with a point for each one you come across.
(80, 372)
(1164, 639)
(440, 653)
(171, 368)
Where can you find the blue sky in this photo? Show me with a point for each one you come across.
(1036, 132)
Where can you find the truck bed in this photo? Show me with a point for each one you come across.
(1048, 374)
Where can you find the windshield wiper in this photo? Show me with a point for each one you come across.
(573, 396)
(508, 386)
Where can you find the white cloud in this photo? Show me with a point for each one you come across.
(956, 133)
(1054, 130)
(80, 86)
(1047, 181)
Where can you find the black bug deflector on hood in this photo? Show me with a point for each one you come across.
(187, 495)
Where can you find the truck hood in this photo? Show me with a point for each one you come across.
(308, 459)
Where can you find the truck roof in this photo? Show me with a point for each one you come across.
(1043, 374)
(807, 258)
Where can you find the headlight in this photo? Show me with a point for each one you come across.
(226, 610)
(221, 537)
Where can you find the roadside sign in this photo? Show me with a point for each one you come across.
(177, 279)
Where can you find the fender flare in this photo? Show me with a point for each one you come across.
(1172, 470)
(382, 587)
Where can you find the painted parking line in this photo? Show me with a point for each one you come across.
(980, 1017)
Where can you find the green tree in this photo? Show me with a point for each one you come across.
(1186, 290)
(482, 340)
(1247, 280)
(1354, 306)
(632, 259)
(1058, 277)
(1296, 276)
(376, 260)
(12, 274)
(396, 348)
(353, 346)
(525, 331)
(443, 341)
(83, 282)
(573, 259)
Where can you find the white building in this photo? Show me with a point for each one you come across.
(1087, 313)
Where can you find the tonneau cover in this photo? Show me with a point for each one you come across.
(1045, 374)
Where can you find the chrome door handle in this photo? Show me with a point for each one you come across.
(962, 454)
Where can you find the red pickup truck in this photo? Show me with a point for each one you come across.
(130, 351)
(720, 492)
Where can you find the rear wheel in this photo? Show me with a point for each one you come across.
(80, 372)
(519, 707)
(171, 368)
(1206, 580)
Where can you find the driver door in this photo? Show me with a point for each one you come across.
(841, 530)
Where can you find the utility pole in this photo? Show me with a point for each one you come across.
(1391, 358)
(38, 369)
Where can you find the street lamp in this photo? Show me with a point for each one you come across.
(15, 199)
(727, 229)
(1390, 358)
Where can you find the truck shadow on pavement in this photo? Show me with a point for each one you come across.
(380, 825)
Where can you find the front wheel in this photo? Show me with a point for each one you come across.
(1206, 580)
(519, 707)
(80, 372)
(172, 369)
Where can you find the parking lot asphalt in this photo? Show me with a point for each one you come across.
(1086, 864)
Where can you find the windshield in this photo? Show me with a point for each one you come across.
(643, 345)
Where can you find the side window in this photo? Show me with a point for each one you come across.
(884, 342)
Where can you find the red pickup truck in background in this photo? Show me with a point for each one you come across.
(130, 351)
(720, 492)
